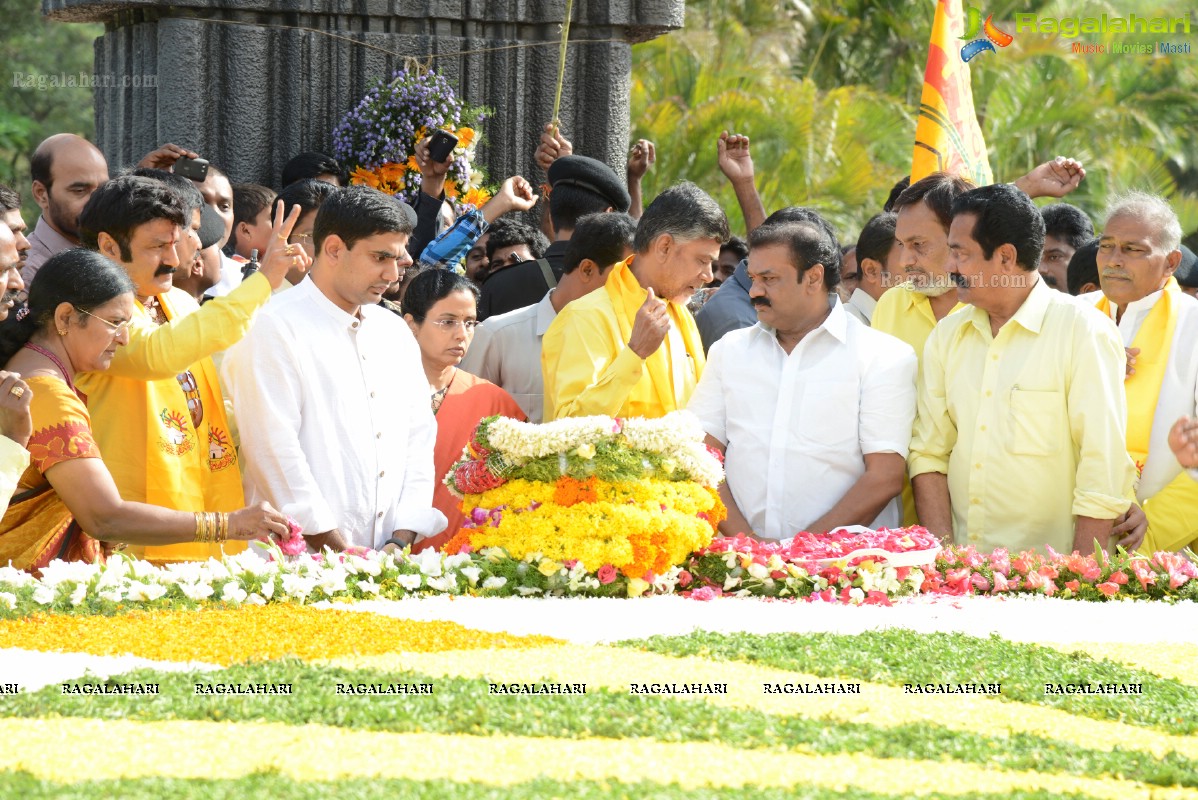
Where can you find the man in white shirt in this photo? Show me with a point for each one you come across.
(507, 348)
(812, 408)
(337, 428)
(1138, 251)
(877, 261)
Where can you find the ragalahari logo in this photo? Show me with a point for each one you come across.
(991, 35)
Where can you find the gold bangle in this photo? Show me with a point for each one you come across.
(223, 534)
(199, 534)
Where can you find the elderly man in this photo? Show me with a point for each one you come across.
(158, 410)
(15, 422)
(66, 169)
(507, 348)
(1138, 252)
(336, 426)
(10, 216)
(632, 350)
(1018, 439)
(812, 408)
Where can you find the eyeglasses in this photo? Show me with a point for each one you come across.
(449, 324)
(117, 328)
(302, 239)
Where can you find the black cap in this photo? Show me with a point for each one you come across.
(212, 227)
(592, 176)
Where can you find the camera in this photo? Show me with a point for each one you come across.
(194, 168)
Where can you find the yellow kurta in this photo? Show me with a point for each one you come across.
(907, 315)
(141, 419)
(1029, 426)
(589, 368)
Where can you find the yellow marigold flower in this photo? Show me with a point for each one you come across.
(476, 197)
(451, 188)
(465, 137)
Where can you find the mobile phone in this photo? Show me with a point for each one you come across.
(441, 145)
(194, 168)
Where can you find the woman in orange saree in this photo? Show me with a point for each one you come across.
(67, 506)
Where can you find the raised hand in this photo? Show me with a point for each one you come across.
(281, 257)
(515, 194)
(644, 153)
(165, 157)
(552, 147)
(1055, 178)
(650, 326)
(733, 157)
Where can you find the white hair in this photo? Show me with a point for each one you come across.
(1153, 210)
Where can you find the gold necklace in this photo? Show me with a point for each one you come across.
(439, 395)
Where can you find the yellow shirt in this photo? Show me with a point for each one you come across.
(141, 419)
(907, 315)
(1029, 426)
(589, 368)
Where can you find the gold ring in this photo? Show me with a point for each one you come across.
(17, 392)
(290, 250)
(282, 238)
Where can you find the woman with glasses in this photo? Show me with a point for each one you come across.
(67, 505)
(441, 308)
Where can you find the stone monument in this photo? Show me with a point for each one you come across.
(249, 83)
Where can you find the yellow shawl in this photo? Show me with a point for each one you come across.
(627, 296)
(1155, 339)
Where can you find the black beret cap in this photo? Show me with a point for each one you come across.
(591, 176)
(1187, 271)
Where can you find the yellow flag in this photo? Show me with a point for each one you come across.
(947, 135)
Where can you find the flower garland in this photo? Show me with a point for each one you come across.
(738, 566)
(377, 139)
(612, 450)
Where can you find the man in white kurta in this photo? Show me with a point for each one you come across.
(336, 424)
(806, 400)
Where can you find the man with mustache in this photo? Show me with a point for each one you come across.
(10, 215)
(66, 169)
(16, 425)
(1018, 438)
(158, 412)
(1138, 252)
(811, 407)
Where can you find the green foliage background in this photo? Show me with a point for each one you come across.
(31, 44)
(827, 92)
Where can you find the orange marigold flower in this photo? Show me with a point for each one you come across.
(568, 491)
(465, 137)
(476, 197)
(364, 177)
(392, 172)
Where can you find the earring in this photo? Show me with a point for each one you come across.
(62, 333)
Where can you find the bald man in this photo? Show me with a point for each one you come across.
(66, 169)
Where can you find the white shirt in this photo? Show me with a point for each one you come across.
(861, 306)
(1179, 389)
(797, 425)
(230, 277)
(336, 426)
(507, 352)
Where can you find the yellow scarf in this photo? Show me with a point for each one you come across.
(627, 296)
(1155, 338)
(188, 468)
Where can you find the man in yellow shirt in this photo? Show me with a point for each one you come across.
(1020, 423)
(1138, 251)
(158, 412)
(631, 349)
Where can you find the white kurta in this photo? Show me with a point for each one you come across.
(1179, 389)
(335, 421)
(507, 352)
(797, 425)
